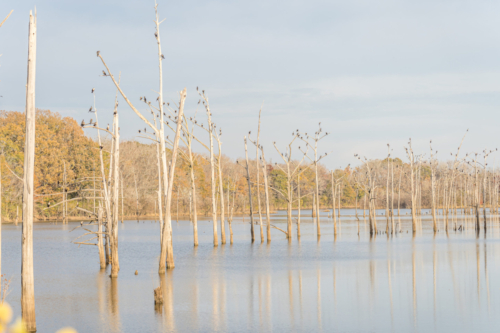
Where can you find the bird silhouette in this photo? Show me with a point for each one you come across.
(92, 90)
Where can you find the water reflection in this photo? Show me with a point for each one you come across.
(352, 282)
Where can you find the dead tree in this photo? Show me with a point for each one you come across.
(217, 137)
(387, 190)
(312, 141)
(166, 254)
(27, 276)
(212, 165)
(413, 159)
(252, 232)
(257, 181)
(290, 170)
(433, 187)
(266, 190)
(486, 154)
(370, 188)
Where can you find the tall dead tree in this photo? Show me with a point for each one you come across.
(290, 169)
(312, 141)
(413, 159)
(212, 165)
(370, 186)
(27, 274)
(221, 185)
(257, 180)
(166, 253)
(387, 189)
(266, 190)
(433, 188)
(252, 232)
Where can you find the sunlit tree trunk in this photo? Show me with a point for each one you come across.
(257, 182)
(27, 274)
(115, 266)
(249, 192)
(102, 259)
(221, 191)
(266, 189)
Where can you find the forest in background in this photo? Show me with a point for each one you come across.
(61, 143)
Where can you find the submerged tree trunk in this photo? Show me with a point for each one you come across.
(193, 196)
(27, 274)
(333, 207)
(249, 192)
(102, 259)
(298, 205)
(167, 250)
(115, 265)
(257, 182)
(266, 188)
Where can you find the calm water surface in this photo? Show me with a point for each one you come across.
(351, 284)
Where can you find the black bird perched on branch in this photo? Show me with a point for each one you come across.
(92, 90)
(98, 53)
(104, 73)
(83, 123)
(162, 56)
(107, 127)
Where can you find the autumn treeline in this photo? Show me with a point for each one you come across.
(61, 143)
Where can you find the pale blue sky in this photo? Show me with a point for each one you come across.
(373, 72)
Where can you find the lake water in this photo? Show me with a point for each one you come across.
(351, 284)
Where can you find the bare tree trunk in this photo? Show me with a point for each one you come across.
(193, 196)
(115, 266)
(136, 198)
(316, 182)
(257, 182)
(167, 250)
(94, 211)
(484, 196)
(27, 274)
(387, 192)
(221, 190)
(230, 219)
(64, 194)
(212, 177)
(249, 193)
(298, 205)
(121, 187)
(392, 198)
(333, 207)
(160, 190)
(266, 188)
(102, 259)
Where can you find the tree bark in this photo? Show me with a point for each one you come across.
(167, 250)
(249, 193)
(266, 188)
(27, 274)
(102, 259)
(115, 265)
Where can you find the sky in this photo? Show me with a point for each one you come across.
(372, 72)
